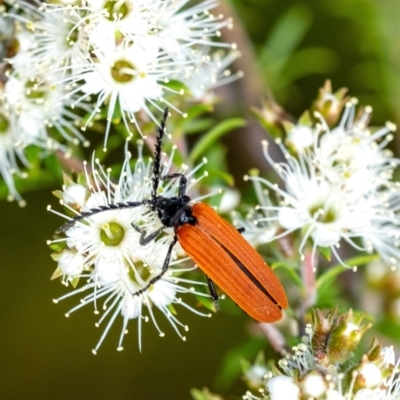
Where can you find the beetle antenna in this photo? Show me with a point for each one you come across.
(157, 154)
(98, 210)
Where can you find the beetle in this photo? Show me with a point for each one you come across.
(212, 243)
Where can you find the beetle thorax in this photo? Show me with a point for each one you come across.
(174, 211)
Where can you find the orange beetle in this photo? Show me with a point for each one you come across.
(229, 260)
(214, 245)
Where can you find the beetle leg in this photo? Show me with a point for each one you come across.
(143, 240)
(164, 269)
(182, 182)
(213, 292)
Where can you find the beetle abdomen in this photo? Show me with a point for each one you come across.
(230, 261)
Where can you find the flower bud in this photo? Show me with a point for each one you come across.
(229, 201)
(254, 376)
(283, 388)
(313, 385)
(272, 117)
(330, 105)
(75, 196)
(321, 328)
(367, 375)
(70, 263)
(300, 137)
(345, 337)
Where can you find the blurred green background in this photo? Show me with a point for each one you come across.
(43, 355)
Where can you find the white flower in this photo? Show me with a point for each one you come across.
(210, 73)
(71, 264)
(257, 223)
(48, 40)
(371, 375)
(181, 30)
(124, 75)
(283, 388)
(354, 153)
(103, 248)
(122, 55)
(37, 105)
(338, 189)
(300, 137)
(10, 151)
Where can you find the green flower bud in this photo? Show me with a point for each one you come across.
(330, 105)
(367, 375)
(272, 117)
(345, 337)
(321, 327)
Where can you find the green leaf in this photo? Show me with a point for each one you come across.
(204, 394)
(296, 20)
(198, 125)
(225, 176)
(331, 274)
(176, 86)
(199, 109)
(113, 142)
(56, 274)
(171, 309)
(325, 252)
(245, 365)
(290, 271)
(207, 302)
(231, 367)
(75, 281)
(213, 135)
(58, 194)
(390, 328)
(81, 179)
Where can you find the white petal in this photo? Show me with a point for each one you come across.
(283, 388)
(74, 195)
(70, 263)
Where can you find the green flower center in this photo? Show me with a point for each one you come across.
(122, 71)
(140, 269)
(111, 234)
(73, 35)
(33, 91)
(324, 216)
(4, 124)
(116, 9)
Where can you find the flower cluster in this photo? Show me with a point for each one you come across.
(66, 64)
(337, 182)
(123, 56)
(11, 150)
(318, 368)
(104, 250)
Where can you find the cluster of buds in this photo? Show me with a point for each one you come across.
(323, 366)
